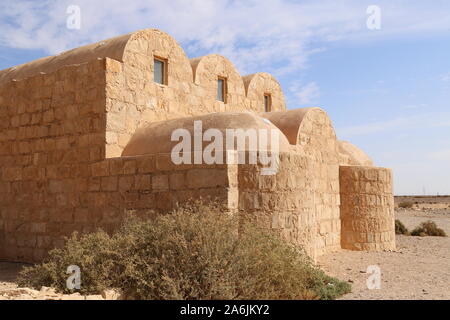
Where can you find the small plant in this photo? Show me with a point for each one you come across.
(405, 205)
(428, 228)
(201, 254)
(400, 228)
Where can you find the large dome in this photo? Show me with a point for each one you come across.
(155, 138)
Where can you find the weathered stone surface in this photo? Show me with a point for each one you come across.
(67, 119)
(367, 208)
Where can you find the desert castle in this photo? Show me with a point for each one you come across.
(86, 137)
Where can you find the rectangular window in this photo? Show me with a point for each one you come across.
(160, 71)
(222, 89)
(267, 102)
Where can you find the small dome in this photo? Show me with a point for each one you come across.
(351, 155)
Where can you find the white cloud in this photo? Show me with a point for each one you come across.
(277, 36)
(306, 94)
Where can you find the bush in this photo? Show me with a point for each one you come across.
(400, 228)
(428, 228)
(405, 205)
(188, 254)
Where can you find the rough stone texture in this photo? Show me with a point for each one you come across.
(65, 122)
(317, 140)
(367, 208)
(191, 90)
(101, 199)
(310, 172)
(284, 201)
(258, 84)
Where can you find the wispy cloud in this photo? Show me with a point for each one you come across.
(421, 121)
(277, 36)
(445, 77)
(304, 94)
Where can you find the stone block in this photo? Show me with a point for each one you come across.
(160, 183)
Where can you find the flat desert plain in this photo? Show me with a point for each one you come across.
(418, 269)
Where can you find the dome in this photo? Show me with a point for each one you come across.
(352, 155)
(156, 138)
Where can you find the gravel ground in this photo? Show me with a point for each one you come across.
(418, 269)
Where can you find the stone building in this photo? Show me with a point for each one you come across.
(85, 137)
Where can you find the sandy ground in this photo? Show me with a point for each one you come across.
(418, 269)
(10, 291)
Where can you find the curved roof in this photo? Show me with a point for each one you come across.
(250, 77)
(114, 48)
(352, 155)
(257, 85)
(291, 122)
(215, 62)
(288, 121)
(155, 138)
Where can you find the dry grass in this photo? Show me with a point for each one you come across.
(188, 254)
(428, 228)
(400, 228)
(405, 205)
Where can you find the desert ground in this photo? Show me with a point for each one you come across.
(418, 269)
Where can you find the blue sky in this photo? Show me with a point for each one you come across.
(386, 90)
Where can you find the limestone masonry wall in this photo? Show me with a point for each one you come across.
(367, 208)
(285, 201)
(191, 88)
(317, 139)
(52, 209)
(66, 120)
(52, 128)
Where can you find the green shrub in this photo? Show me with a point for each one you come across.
(428, 228)
(405, 205)
(188, 254)
(400, 228)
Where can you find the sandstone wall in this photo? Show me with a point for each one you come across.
(63, 129)
(54, 178)
(284, 202)
(312, 135)
(317, 140)
(206, 71)
(31, 224)
(293, 201)
(133, 99)
(258, 84)
(52, 127)
(367, 208)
